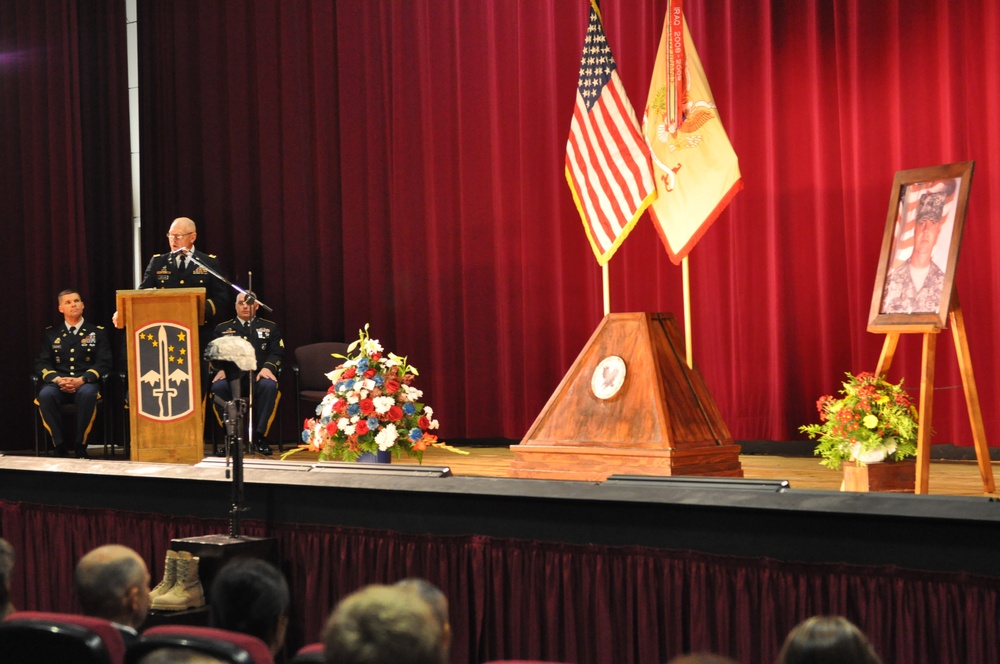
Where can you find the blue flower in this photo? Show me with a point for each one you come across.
(416, 434)
(353, 409)
(379, 379)
(372, 423)
(305, 436)
(349, 384)
(363, 365)
(319, 410)
(409, 408)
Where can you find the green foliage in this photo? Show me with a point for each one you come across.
(873, 419)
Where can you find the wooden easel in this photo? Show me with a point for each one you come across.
(927, 395)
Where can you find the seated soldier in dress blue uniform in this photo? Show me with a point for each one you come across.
(265, 337)
(74, 356)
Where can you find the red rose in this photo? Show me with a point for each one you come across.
(331, 389)
(331, 429)
(350, 373)
(395, 413)
(424, 423)
(367, 407)
(391, 386)
(370, 373)
(339, 405)
(361, 428)
(375, 357)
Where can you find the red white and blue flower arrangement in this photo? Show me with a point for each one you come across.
(371, 407)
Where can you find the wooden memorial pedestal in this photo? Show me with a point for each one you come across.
(164, 372)
(629, 405)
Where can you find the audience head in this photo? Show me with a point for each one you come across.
(249, 595)
(436, 599)
(112, 582)
(827, 640)
(384, 625)
(702, 658)
(6, 568)
(178, 656)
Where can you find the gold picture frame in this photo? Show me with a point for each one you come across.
(923, 234)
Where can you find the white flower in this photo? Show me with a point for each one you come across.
(383, 404)
(386, 438)
(343, 423)
(433, 424)
(334, 375)
(352, 398)
(370, 346)
(428, 412)
(408, 393)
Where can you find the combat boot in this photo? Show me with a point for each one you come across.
(169, 574)
(187, 592)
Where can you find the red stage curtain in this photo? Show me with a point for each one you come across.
(65, 188)
(402, 164)
(512, 599)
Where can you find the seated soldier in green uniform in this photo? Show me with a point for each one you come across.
(265, 337)
(74, 356)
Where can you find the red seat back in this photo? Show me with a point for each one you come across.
(233, 647)
(36, 636)
(311, 653)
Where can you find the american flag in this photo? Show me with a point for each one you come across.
(607, 163)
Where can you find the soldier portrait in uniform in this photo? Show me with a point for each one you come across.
(920, 247)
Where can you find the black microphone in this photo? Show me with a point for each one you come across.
(183, 250)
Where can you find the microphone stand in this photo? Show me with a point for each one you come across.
(250, 299)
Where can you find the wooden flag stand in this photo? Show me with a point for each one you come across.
(926, 403)
(629, 405)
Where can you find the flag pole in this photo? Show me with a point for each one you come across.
(607, 290)
(686, 278)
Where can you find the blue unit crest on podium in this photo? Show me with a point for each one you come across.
(164, 355)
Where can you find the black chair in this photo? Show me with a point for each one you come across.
(312, 363)
(223, 645)
(30, 636)
(68, 411)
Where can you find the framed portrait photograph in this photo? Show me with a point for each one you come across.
(923, 233)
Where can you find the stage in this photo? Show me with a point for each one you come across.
(809, 520)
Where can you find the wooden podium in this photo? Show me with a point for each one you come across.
(629, 405)
(164, 372)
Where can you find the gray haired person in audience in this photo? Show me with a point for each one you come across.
(6, 567)
(436, 599)
(827, 640)
(384, 625)
(112, 582)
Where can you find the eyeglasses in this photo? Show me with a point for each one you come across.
(178, 237)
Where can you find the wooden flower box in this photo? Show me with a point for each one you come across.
(893, 476)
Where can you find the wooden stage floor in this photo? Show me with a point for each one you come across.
(950, 478)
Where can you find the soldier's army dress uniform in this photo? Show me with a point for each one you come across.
(265, 337)
(84, 353)
(163, 271)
